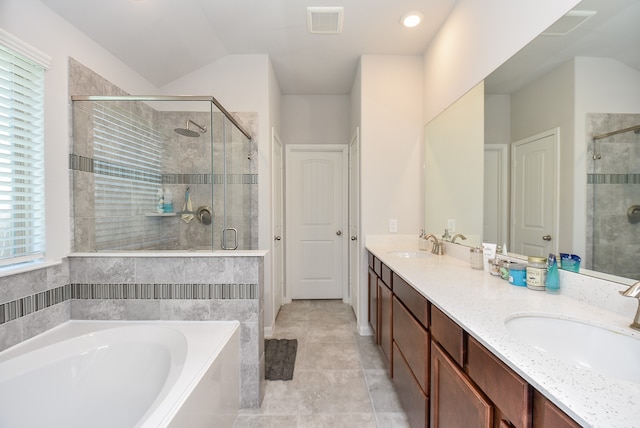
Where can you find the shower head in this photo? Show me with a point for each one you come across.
(186, 132)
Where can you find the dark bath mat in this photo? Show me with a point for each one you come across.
(279, 358)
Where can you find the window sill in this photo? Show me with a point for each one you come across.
(27, 267)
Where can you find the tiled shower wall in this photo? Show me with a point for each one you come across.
(101, 225)
(613, 185)
(195, 288)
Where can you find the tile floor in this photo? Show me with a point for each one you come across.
(339, 378)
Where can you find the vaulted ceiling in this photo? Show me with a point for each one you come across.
(164, 40)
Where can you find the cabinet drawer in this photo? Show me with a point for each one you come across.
(448, 334)
(386, 276)
(508, 391)
(413, 341)
(412, 299)
(413, 399)
(377, 266)
(547, 415)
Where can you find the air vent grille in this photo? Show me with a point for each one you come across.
(325, 20)
(569, 22)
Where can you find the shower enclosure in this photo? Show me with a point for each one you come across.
(161, 173)
(613, 183)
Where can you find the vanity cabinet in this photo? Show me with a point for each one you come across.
(444, 377)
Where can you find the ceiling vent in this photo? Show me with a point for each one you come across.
(325, 20)
(569, 22)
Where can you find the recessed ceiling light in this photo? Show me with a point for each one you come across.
(411, 19)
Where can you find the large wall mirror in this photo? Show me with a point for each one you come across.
(561, 168)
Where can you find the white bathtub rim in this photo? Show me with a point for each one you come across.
(202, 351)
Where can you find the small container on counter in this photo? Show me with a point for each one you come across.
(536, 273)
(494, 267)
(476, 258)
(518, 274)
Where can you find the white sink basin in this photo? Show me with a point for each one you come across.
(410, 254)
(608, 352)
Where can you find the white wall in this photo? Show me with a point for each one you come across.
(316, 119)
(478, 37)
(37, 25)
(387, 105)
(617, 92)
(391, 143)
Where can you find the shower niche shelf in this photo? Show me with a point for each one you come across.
(161, 214)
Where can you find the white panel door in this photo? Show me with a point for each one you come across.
(316, 217)
(278, 221)
(533, 194)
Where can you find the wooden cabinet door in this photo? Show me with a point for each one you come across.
(373, 304)
(455, 400)
(385, 297)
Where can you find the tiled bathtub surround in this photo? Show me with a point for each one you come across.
(202, 287)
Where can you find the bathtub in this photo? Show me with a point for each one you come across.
(123, 374)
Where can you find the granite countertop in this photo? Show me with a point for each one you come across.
(480, 303)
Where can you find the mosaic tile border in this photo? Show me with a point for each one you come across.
(90, 165)
(18, 308)
(613, 178)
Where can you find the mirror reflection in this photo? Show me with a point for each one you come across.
(549, 185)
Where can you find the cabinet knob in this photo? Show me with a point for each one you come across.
(354, 238)
(339, 233)
(546, 238)
(277, 237)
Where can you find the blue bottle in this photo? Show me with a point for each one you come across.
(552, 283)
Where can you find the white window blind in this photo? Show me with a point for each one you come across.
(22, 225)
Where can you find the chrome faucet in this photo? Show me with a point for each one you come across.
(634, 291)
(458, 235)
(437, 246)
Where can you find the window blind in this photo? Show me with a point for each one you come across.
(22, 225)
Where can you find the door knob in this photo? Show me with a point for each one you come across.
(354, 238)
(277, 237)
(546, 238)
(339, 233)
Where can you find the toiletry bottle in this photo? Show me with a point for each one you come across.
(552, 284)
(475, 258)
(168, 201)
(160, 201)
